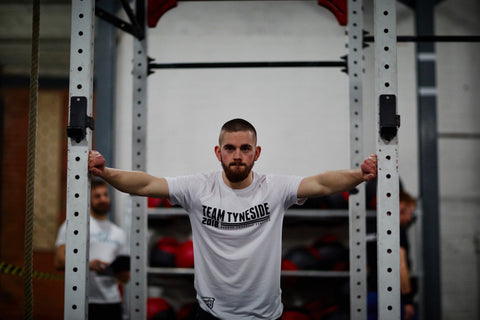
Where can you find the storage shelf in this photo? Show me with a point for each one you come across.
(157, 214)
(170, 271)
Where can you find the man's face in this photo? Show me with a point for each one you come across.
(406, 213)
(237, 152)
(99, 200)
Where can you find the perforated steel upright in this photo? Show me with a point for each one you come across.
(79, 144)
(388, 247)
(357, 212)
(138, 242)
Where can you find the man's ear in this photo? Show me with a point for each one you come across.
(258, 150)
(217, 153)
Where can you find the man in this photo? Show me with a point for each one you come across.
(407, 207)
(107, 242)
(236, 217)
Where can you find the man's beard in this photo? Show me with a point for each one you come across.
(234, 175)
(101, 208)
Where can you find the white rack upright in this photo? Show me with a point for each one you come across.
(356, 200)
(138, 236)
(388, 221)
(79, 145)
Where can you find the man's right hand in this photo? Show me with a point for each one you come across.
(96, 163)
(97, 265)
(133, 182)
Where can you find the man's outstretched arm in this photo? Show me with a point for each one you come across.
(132, 182)
(331, 182)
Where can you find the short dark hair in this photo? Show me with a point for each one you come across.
(95, 183)
(236, 125)
(407, 198)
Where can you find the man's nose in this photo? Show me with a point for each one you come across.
(237, 154)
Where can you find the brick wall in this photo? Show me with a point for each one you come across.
(48, 294)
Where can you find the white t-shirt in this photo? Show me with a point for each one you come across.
(107, 241)
(237, 240)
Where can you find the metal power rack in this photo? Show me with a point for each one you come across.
(79, 145)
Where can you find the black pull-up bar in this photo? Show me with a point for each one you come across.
(259, 64)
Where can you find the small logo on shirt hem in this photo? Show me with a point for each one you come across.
(209, 301)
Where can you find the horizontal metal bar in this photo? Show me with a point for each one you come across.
(167, 212)
(430, 38)
(323, 213)
(459, 135)
(279, 64)
(314, 273)
(285, 273)
(170, 271)
(28, 38)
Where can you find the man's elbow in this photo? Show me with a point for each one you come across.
(59, 266)
(59, 258)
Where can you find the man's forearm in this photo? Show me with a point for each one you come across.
(329, 182)
(132, 182)
(405, 284)
(341, 180)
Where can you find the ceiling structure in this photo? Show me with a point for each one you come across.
(54, 49)
(16, 38)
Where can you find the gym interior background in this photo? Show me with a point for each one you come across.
(301, 116)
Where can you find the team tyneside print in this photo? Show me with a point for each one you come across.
(223, 219)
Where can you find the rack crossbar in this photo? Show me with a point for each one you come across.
(259, 64)
(430, 38)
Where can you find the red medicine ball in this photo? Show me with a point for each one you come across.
(184, 255)
(294, 315)
(163, 253)
(159, 308)
(300, 257)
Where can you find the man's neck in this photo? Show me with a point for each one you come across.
(238, 185)
(98, 216)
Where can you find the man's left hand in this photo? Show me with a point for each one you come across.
(369, 168)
